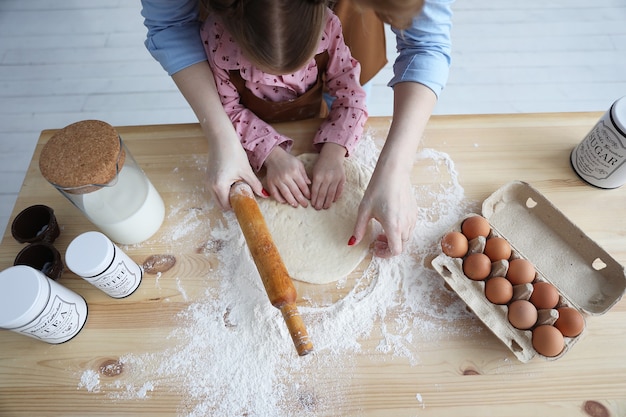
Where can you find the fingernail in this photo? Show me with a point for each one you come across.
(352, 241)
(265, 193)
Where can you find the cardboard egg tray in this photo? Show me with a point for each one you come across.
(585, 275)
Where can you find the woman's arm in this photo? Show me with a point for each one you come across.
(174, 41)
(389, 196)
(420, 73)
(173, 37)
(228, 161)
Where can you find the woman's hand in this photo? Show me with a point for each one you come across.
(286, 178)
(228, 162)
(329, 176)
(389, 197)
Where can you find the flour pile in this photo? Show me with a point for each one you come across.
(233, 354)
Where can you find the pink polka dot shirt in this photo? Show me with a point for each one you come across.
(347, 116)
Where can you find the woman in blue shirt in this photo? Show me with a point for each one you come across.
(420, 73)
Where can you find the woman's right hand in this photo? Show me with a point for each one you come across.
(228, 162)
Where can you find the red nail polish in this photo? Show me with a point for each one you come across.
(265, 193)
(352, 241)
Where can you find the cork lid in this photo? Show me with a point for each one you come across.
(81, 155)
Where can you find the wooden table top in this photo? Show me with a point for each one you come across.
(114, 366)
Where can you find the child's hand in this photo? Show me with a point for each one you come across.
(287, 181)
(329, 176)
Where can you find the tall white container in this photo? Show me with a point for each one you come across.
(34, 305)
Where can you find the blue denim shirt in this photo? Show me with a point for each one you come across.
(424, 48)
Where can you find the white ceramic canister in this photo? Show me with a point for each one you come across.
(600, 159)
(34, 305)
(100, 262)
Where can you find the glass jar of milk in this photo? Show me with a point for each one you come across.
(90, 165)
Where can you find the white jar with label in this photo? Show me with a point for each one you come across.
(96, 259)
(600, 159)
(34, 305)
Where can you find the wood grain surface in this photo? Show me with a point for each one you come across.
(456, 375)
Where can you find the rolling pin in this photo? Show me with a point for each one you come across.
(276, 279)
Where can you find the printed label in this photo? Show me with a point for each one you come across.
(59, 322)
(119, 280)
(600, 155)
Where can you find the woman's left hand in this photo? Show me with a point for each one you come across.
(389, 196)
(389, 199)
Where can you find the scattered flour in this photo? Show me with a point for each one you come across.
(181, 289)
(419, 399)
(90, 380)
(234, 355)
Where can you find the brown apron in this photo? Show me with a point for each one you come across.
(364, 33)
(307, 106)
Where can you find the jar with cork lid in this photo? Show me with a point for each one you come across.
(90, 165)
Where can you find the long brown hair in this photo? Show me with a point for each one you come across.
(278, 36)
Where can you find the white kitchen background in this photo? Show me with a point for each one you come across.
(71, 60)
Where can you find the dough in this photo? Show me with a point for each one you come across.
(314, 243)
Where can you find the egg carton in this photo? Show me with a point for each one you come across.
(585, 275)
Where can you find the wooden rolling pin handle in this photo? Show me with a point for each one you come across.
(297, 329)
(274, 274)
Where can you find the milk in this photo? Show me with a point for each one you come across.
(89, 164)
(129, 212)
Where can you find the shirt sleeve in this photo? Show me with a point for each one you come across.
(173, 37)
(424, 48)
(348, 113)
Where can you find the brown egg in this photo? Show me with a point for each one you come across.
(570, 322)
(522, 314)
(521, 271)
(454, 244)
(544, 295)
(498, 290)
(477, 266)
(548, 340)
(497, 249)
(475, 226)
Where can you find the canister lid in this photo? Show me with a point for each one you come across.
(24, 293)
(89, 254)
(618, 114)
(81, 154)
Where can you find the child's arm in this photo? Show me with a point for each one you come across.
(287, 180)
(342, 129)
(348, 113)
(257, 137)
(329, 176)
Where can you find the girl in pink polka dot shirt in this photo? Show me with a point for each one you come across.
(262, 80)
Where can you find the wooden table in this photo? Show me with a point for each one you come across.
(456, 375)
